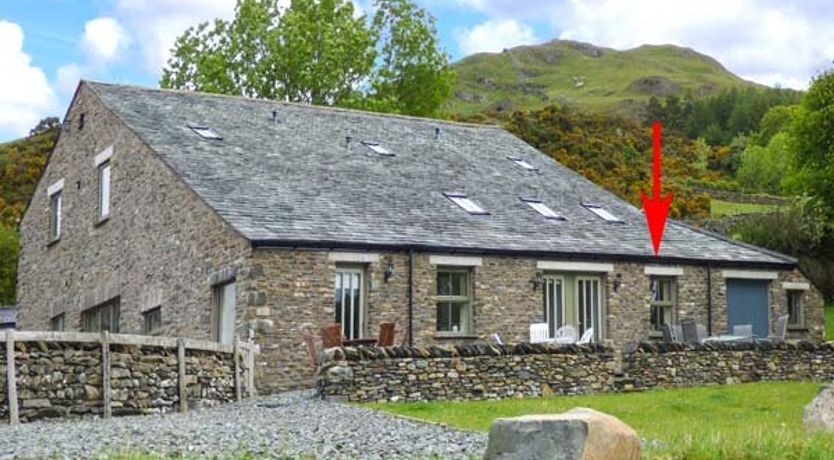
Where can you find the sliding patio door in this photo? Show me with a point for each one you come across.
(589, 305)
(554, 303)
(349, 299)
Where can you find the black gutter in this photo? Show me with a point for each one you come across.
(410, 297)
(709, 300)
(606, 257)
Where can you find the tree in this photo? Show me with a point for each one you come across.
(318, 52)
(762, 168)
(8, 265)
(813, 143)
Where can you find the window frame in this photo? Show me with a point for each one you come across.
(378, 148)
(670, 304)
(353, 270)
(463, 201)
(58, 320)
(218, 292)
(466, 323)
(544, 210)
(796, 294)
(147, 317)
(205, 132)
(114, 305)
(603, 213)
(523, 163)
(104, 205)
(56, 208)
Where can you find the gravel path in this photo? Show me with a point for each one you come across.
(287, 425)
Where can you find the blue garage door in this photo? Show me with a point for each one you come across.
(747, 304)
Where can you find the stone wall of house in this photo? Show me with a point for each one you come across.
(291, 292)
(64, 379)
(494, 371)
(160, 246)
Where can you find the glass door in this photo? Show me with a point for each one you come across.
(554, 303)
(589, 305)
(349, 293)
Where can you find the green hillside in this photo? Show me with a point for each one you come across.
(584, 75)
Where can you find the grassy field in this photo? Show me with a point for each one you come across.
(751, 421)
(594, 78)
(719, 208)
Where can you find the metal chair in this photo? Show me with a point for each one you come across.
(781, 330)
(565, 335)
(690, 331)
(701, 330)
(539, 333)
(744, 332)
(587, 337)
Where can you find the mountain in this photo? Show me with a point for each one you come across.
(586, 76)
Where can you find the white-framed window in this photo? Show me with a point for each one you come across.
(223, 322)
(378, 148)
(543, 209)
(350, 297)
(523, 163)
(104, 317)
(104, 190)
(206, 133)
(56, 203)
(153, 320)
(454, 300)
(662, 310)
(602, 213)
(796, 315)
(58, 322)
(462, 200)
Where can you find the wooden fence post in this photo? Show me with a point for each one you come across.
(250, 368)
(105, 373)
(11, 379)
(235, 350)
(181, 374)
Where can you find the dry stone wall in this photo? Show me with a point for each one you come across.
(65, 378)
(493, 371)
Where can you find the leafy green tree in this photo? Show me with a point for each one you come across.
(813, 153)
(774, 120)
(319, 52)
(763, 168)
(8, 265)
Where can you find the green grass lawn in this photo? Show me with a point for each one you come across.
(720, 208)
(750, 421)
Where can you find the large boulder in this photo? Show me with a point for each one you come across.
(579, 434)
(819, 413)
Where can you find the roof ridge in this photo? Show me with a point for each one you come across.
(742, 244)
(301, 105)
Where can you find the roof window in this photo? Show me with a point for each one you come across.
(378, 148)
(543, 209)
(462, 200)
(601, 212)
(523, 163)
(206, 133)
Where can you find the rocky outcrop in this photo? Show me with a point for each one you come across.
(579, 434)
(819, 413)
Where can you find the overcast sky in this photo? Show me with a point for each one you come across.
(47, 45)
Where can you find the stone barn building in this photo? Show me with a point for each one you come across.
(179, 213)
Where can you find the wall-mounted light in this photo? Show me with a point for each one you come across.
(618, 280)
(537, 280)
(388, 273)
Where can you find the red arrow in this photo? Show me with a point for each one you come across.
(656, 208)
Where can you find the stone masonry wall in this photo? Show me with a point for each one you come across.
(64, 379)
(159, 247)
(493, 371)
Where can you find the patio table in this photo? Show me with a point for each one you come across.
(727, 338)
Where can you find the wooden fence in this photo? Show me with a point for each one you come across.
(243, 352)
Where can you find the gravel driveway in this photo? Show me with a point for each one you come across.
(286, 425)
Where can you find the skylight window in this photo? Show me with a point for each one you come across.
(206, 133)
(465, 203)
(603, 213)
(378, 148)
(523, 163)
(543, 209)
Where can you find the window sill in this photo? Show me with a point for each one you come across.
(454, 335)
(53, 242)
(101, 221)
(798, 328)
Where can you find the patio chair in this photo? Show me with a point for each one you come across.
(539, 333)
(587, 337)
(386, 334)
(668, 334)
(331, 335)
(744, 331)
(781, 331)
(690, 331)
(565, 334)
(701, 330)
(677, 333)
(497, 339)
(312, 354)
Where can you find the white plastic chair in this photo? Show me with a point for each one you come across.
(565, 334)
(587, 337)
(497, 339)
(539, 333)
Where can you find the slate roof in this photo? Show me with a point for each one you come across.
(298, 183)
